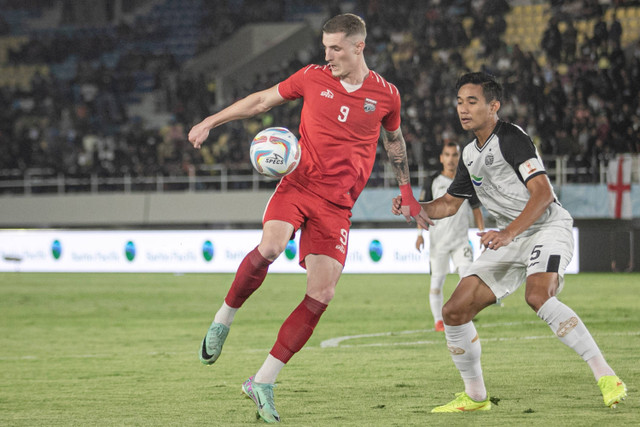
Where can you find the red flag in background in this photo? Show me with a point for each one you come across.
(619, 186)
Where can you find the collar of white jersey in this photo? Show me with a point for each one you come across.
(493, 134)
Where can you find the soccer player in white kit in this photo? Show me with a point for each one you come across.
(533, 244)
(448, 237)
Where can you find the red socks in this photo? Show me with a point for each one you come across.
(249, 277)
(297, 329)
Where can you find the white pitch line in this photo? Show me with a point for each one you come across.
(337, 341)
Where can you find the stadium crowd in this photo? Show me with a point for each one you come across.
(575, 99)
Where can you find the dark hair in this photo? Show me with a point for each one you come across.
(346, 23)
(450, 144)
(491, 88)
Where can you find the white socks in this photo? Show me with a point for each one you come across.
(269, 370)
(225, 315)
(569, 328)
(271, 367)
(464, 345)
(435, 296)
(465, 349)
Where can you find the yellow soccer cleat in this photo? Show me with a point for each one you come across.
(613, 390)
(463, 403)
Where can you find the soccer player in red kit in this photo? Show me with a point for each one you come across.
(345, 105)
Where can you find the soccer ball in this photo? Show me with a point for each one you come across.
(275, 152)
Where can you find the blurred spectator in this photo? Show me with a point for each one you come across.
(552, 41)
(569, 39)
(615, 29)
(600, 34)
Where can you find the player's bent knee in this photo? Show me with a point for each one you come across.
(270, 251)
(537, 296)
(324, 296)
(536, 301)
(453, 315)
(539, 288)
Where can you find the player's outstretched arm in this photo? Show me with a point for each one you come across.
(396, 149)
(442, 207)
(256, 103)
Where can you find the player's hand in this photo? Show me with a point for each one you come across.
(411, 209)
(396, 204)
(420, 243)
(495, 239)
(198, 134)
(421, 218)
(409, 206)
(397, 208)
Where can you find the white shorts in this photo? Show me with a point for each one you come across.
(462, 257)
(547, 250)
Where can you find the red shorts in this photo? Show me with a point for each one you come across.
(324, 227)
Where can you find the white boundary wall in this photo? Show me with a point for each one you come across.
(177, 210)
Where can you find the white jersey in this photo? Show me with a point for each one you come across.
(497, 173)
(452, 232)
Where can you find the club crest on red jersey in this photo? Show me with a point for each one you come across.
(369, 105)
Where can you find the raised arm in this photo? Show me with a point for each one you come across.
(256, 103)
(396, 149)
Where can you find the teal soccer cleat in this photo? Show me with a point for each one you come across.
(262, 396)
(212, 343)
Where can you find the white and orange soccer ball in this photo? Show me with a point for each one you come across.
(275, 152)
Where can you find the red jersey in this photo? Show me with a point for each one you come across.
(339, 130)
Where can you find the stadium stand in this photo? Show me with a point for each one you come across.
(89, 95)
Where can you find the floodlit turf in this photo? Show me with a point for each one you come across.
(120, 349)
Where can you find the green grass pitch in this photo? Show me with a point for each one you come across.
(121, 349)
